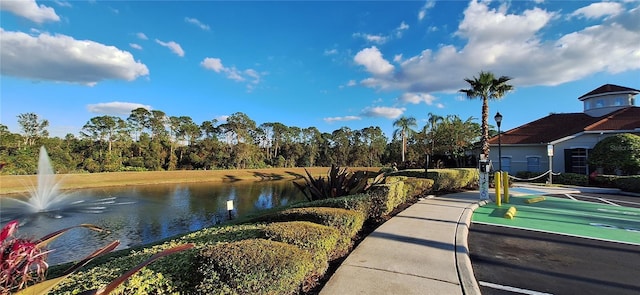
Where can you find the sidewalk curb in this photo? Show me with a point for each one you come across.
(463, 261)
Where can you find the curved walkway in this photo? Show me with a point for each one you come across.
(421, 250)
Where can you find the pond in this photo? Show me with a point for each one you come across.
(138, 215)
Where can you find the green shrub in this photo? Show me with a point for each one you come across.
(358, 202)
(168, 275)
(319, 240)
(256, 266)
(570, 179)
(446, 180)
(396, 190)
(620, 152)
(173, 273)
(417, 173)
(348, 222)
(628, 183)
(226, 233)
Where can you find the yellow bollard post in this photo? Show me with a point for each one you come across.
(498, 184)
(505, 185)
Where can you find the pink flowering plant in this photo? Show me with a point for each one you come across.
(23, 264)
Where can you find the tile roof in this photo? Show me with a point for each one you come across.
(608, 88)
(557, 126)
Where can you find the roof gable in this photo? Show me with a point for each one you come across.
(609, 88)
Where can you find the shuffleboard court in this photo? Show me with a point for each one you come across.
(564, 216)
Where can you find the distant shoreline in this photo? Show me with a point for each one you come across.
(20, 184)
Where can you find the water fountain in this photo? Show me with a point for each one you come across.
(45, 197)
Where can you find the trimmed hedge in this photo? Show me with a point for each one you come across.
(447, 180)
(628, 183)
(319, 240)
(359, 202)
(255, 266)
(347, 222)
(570, 179)
(168, 275)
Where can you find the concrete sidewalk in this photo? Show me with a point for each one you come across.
(422, 250)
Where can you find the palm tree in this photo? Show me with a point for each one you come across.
(486, 87)
(433, 120)
(404, 130)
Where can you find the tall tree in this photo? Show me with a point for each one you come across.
(486, 87)
(404, 130)
(312, 139)
(138, 120)
(375, 141)
(32, 127)
(104, 128)
(457, 136)
(209, 129)
(157, 123)
(240, 127)
(433, 122)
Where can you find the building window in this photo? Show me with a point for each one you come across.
(533, 164)
(599, 103)
(578, 161)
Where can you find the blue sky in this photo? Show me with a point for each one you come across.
(326, 64)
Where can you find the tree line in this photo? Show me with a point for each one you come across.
(151, 140)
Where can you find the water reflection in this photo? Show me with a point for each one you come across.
(143, 214)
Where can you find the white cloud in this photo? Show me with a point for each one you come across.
(423, 10)
(330, 51)
(253, 74)
(142, 36)
(232, 73)
(351, 83)
(400, 29)
(64, 59)
(340, 119)
(416, 98)
(135, 46)
(378, 39)
(222, 118)
(597, 10)
(385, 112)
(115, 108)
(371, 58)
(197, 23)
(30, 10)
(214, 64)
(173, 46)
(518, 45)
(63, 3)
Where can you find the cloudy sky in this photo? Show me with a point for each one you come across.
(326, 64)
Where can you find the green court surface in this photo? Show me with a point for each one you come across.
(564, 216)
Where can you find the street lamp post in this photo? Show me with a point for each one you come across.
(498, 119)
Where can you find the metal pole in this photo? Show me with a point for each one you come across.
(550, 169)
(499, 149)
(550, 154)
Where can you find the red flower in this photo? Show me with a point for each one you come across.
(8, 230)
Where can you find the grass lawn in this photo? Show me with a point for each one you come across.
(10, 184)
